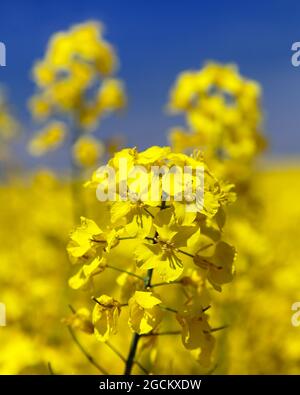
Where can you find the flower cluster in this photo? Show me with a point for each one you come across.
(74, 62)
(87, 150)
(222, 111)
(75, 79)
(49, 138)
(171, 246)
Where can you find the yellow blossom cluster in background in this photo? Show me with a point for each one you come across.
(75, 80)
(48, 139)
(75, 61)
(223, 116)
(87, 151)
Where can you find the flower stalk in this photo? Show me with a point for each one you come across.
(136, 336)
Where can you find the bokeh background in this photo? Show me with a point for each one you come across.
(155, 41)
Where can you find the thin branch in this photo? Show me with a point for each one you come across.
(150, 239)
(164, 283)
(141, 367)
(108, 306)
(98, 241)
(50, 368)
(203, 260)
(211, 371)
(163, 205)
(148, 212)
(72, 309)
(117, 352)
(136, 337)
(205, 247)
(85, 353)
(168, 309)
(219, 328)
(186, 253)
(167, 333)
(125, 271)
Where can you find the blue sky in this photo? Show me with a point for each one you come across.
(156, 40)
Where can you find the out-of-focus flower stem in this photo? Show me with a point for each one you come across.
(76, 176)
(85, 353)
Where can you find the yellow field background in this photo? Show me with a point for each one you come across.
(36, 218)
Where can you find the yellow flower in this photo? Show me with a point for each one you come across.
(51, 137)
(219, 265)
(196, 334)
(144, 315)
(39, 107)
(60, 50)
(86, 239)
(128, 284)
(223, 115)
(180, 97)
(111, 96)
(82, 279)
(105, 317)
(43, 74)
(138, 220)
(76, 63)
(80, 320)
(165, 255)
(87, 151)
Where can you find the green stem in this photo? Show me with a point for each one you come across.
(168, 333)
(123, 358)
(219, 328)
(136, 337)
(131, 355)
(50, 368)
(168, 309)
(85, 353)
(186, 253)
(125, 271)
(164, 283)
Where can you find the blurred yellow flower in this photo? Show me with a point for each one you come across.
(223, 115)
(87, 151)
(105, 317)
(51, 137)
(77, 62)
(80, 320)
(111, 95)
